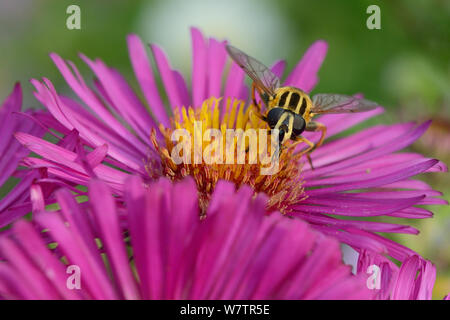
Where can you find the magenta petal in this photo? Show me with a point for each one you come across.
(37, 250)
(216, 63)
(379, 181)
(199, 67)
(364, 225)
(304, 75)
(414, 279)
(369, 172)
(13, 103)
(167, 76)
(396, 143)
(144, 75)
(37, 198)
(17, 192)
(124, 100)
(278, 68)
(425, 281)
(108, 223)
(137, 220)
(80, 223)
(182, 88)
(95, 278)
(356, 208)
(235, 87)
(405, 283)
(63, 113)
(67, 158)
(39, 286)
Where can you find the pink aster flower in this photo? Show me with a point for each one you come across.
(114, 134)
(16, 203)
(168, 253)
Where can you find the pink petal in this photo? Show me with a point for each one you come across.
(199, 67)
(144, 75)
(304, 75)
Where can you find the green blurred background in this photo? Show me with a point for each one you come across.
(404, 66)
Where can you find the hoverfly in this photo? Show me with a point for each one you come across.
(290, 109)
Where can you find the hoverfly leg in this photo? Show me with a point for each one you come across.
(259, 115)
(317, 126)
(311, 147)
(299, 140)
(308, 156)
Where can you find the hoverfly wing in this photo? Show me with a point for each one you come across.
(339, 103)
(264, 79)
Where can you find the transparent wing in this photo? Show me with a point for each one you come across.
(264, 79)
(339, 103)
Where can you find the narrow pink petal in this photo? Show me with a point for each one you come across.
(64, 115)
(199, 67)
(182, 88)
(224, 241)
(41, 287)
(360, 224)
(128, 145)
(144, 75)
(304, 75)
(13, 103)
(37, 198)
(425, 282)
(125, 101)
(400, 174)
(97, 155)
(340, 123)
(395, 144)
(278, 68)
(38, 251)
(111, 236)
(217, 56)
(406, 279)
(413, 213)
(95, 278)
(371, 171)
(93, 159)
(16, 287)
(235, 87)
(326, 251)
(354, 239)
(137, 217)
(67, 158)
(55, 103)
(167, 76)
(395, 250)
(356, 208)
(79, 222)
(182, 221)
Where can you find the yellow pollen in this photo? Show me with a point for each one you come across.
(284, 187)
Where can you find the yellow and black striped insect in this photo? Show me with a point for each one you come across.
(289, 109)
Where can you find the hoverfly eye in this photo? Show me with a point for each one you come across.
(274, 115)
(299, 125)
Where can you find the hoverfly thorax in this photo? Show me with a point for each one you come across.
(293, 99)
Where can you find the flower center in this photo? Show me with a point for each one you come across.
(237, 148)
